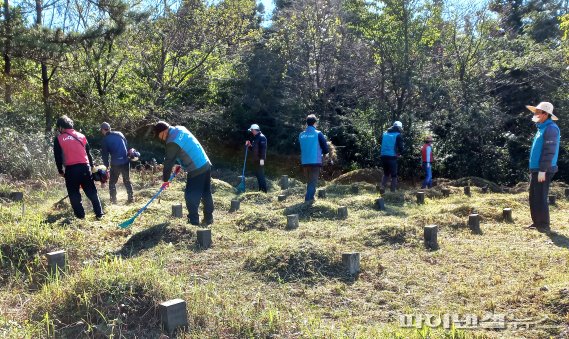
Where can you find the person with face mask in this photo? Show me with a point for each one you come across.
(542, 164)
(75, 163)
(184, 148)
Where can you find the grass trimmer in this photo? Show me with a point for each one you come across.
(127, 223)
(241, 187)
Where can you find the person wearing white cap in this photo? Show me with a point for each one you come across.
(391, 149)
(258, 147)
(542, 164)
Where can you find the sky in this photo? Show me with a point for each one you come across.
(269, 6)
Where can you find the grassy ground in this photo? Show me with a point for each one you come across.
(260, 280)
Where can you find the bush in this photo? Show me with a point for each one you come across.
(26, 155)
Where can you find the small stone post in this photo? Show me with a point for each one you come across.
(420, 198)
(282, 197)
(379, 204)
(173, 314)
(321, 193)
(177, 211)
(284, 182)
(430, 235)
(235, 204)
(552, 199)
(204, 238)
(342, 212)
(351, 262)
(467, 190)
(57, 261)
(446, 192)
(507, 214)
(474, 223)
(291, 221)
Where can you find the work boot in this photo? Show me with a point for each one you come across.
(130, 200)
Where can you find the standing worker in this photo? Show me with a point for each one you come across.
(391, 149)
(427, 161)
(71, 150)
(115, 143)
(542, 164)
(183, 147)
(258, 147)
(313, 147)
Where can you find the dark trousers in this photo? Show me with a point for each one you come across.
(198, 188)
(260, 174)
(116, 171)
(389, 171)
(311, 173)
(538, 200)
(77, 176)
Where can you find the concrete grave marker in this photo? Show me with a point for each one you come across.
(291, 221)
(235, 204)
(281, 197)
(57, 261)
(467, 190)
(284, 182)
(173, 315)
(321, 193)
(204, 238)
(177, 211)
(507, 214)
(420, 198)
(379, 204)
(430, 235)
(342, 212)
(351, 262)
(474, 222)
(446, 192)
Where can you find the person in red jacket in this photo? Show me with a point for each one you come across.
(427, 160)
(71, 150)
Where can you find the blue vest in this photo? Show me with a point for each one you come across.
(388, 143)
(190, 145)
(310, 150)
(537, 145)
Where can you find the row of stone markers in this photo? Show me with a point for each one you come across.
(430, 231)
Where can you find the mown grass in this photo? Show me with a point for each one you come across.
(261, 280)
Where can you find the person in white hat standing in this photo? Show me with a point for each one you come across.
(542, 164)
(258, 147)
(391, 149)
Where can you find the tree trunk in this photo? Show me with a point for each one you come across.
(44, 76)
(7, 52)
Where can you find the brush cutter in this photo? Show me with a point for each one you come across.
(241, 187)
(127, 223)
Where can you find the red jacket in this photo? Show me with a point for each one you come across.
(73, 146)
(427, 153)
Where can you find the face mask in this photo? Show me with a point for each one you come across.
(535, 118)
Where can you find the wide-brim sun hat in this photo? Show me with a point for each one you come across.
(545, 106)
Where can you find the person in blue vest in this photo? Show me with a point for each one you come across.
(391, 149)
(542, 164)
(183, 148)
(313, 146)
(258, 147)
(115, 144)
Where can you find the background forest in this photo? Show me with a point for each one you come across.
(458, 71)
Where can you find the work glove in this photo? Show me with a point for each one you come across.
(541, 177)
(165, 185)
(248, 143)
(262, 162)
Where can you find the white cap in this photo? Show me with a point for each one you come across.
(398, 124)
(254, 126)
